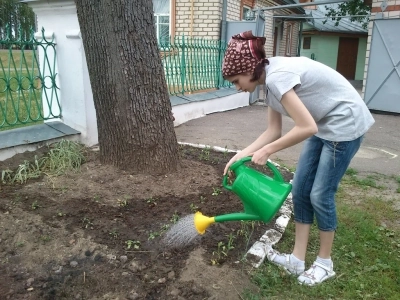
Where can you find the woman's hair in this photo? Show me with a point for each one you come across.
(259, 70)
(245, 53)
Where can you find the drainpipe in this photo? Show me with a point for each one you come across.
(220, 80)
(191, 18)
(300, 38)
(223, 19)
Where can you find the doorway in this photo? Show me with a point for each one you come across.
(275, 41)
(347, 57)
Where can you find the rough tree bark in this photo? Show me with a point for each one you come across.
(132, 104)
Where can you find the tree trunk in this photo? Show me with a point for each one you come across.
(133, 109)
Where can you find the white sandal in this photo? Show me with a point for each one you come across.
(309, 277)
(291, 269)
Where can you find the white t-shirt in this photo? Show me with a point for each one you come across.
(337, 108)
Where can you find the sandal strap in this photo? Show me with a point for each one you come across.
(310, 274)
(287, 257)
(325, 267)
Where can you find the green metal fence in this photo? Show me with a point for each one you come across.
(192, 64)
(28, 89)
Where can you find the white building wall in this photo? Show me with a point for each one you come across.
(75, 94)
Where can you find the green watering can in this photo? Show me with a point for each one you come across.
(261, 195)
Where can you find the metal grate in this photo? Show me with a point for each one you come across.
(28, 90)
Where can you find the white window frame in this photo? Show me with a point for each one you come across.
(157, 23)
(247, 8)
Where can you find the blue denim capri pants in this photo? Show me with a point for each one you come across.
(321, 166)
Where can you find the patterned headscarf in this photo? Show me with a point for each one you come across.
(241, 55)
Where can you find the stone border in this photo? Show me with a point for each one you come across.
(272, 236)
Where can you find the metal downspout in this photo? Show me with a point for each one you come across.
(223, 19)
(191, 17)
(300, 38)
(220, 79)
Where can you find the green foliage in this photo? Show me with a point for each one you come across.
(16, 15)
(216, 191)
(87, 223)
(27, 171)
(132, 244)
(114, 234)
(351, 172)
(223, 250)
(366, 255)
(194, 207)
(64, 156)
(205, 153)
(351, 8)
(175, 218)
(35, 205)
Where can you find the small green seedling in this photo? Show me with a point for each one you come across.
(175, 218)
(114, 234)
(151, 201)
(122, 203)
(205, 153)
(87, 223)
(194, 207)
(226, 152)
(45, 238)
(6, 176)
(153, 235)
(35, 205)
(216, 191)
(132, 244)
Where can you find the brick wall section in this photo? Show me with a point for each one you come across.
(207, 15)
(233, 13)
(269, 27)
(392, 11)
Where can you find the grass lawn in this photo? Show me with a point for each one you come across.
(20, 91)
(366, 251)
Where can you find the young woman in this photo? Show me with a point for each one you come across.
(329, 115)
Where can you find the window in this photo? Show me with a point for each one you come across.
(247, 13)
(289, 31)
(246, 10)
(162, 20)
(307, 42)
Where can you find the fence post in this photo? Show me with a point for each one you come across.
(222, 47)
(219, 62)
(45, 44)
(183, 65)
(75, 94)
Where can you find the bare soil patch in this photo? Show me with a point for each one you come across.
(96, 234)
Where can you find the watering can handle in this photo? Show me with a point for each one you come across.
(277, 174)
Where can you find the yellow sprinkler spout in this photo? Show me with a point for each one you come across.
(202, 222)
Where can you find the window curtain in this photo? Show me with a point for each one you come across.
(161, 6)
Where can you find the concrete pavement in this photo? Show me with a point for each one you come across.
(235, 129)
